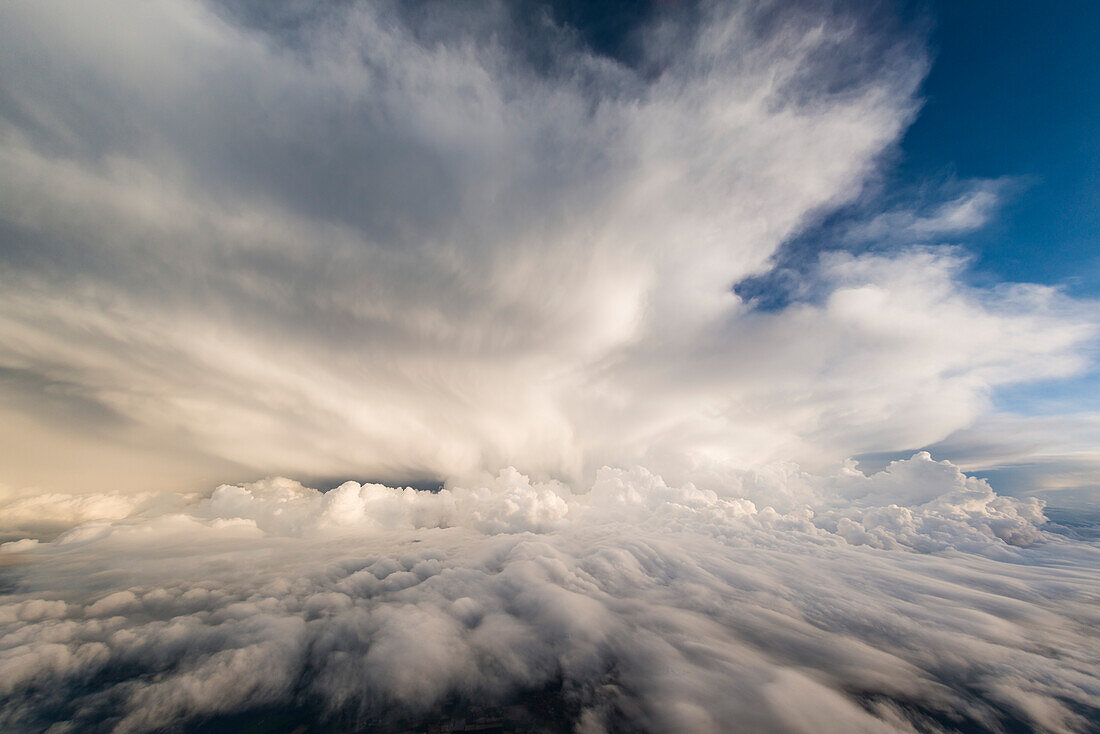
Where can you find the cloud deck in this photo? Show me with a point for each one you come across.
(632, 606)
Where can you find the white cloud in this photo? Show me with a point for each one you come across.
(366, 243)
(967, 211)
(636, 603)
(363, 253)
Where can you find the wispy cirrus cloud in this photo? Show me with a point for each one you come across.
(968, 210)
(363, 241)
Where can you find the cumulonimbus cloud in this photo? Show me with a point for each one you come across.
(408, 240)
(367, 241)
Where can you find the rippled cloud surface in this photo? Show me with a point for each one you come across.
(634, 606)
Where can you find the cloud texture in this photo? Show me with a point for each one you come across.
(421, 240)
(390, 241)
(635, 606)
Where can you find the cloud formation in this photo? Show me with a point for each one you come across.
(966, 211)
(911, 600)
(421, 241)
(380, 241)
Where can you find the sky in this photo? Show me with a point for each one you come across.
(261, 269)
(1012, 95)
(599, 366)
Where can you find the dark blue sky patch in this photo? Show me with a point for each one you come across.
(1013, 97)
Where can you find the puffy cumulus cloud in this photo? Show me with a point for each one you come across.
(380, 240)
(914, 599)
(507, 503)
(1050, 455)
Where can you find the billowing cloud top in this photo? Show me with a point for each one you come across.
(913, 600)
(401, 241)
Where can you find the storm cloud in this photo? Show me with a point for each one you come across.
(387, 241)
(482, 247)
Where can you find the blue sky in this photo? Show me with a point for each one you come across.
(1012, 97)
(1014, 91)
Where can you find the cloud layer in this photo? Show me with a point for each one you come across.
(634, 606)
(404, 240)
